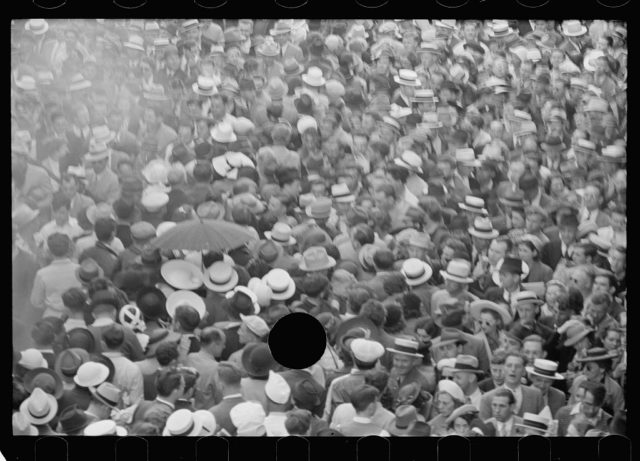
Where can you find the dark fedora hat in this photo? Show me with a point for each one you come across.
(308, 393)
(152, 302)
(81, 338)
(356, 327)
(44, 378)
(73, 420)
(257, 360)
(511, 265)
(68, 362)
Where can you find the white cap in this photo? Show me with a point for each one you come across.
(256, 324)
(451, 388)
(104, 427)
(305, 122)
(208, 422)
(366, 350)
(153, 201)
(277, 388)
(445, 363)
(262, 291)
(248, 418)
(32, 358)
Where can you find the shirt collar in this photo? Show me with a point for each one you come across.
(361, 419)
(161, 400)
(232, 396)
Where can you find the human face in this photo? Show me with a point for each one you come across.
(541, 383)
(525, 252)
(601, 284)
(613, 340)
(416, 252)
(454, 287)
(497, 251)
(552, 295)
(534, 223)
(99, 166)
(578, 256)
(402, 364)
(527, 312)
(218, 110)
(382, 201)
(449, 351)
(591, 198)
(497, 373)
(568, 234)
(589, 409)
(508, 280)
(597, 311)
(69, 189)
(461, 427)
(514, 369)
(463, 379)
(501, 409)
(532, 350)
(61, 215)
(513, 345)
(445, 404)
(488, 323)
(617, 260)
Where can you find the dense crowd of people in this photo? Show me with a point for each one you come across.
(447, 198)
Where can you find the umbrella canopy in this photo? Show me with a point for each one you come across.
(203, 235)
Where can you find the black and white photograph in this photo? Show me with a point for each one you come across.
(445, 198)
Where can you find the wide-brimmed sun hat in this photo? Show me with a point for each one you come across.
(181, 275)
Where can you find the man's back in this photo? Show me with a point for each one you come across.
(361, 427)
(221, 413)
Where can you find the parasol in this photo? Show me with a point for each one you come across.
(203, 235)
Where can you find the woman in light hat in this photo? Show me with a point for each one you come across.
(529, 248)
(493, 320)
(448, 398)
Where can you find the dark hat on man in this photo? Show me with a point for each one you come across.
(511, 265)
(68, 362)
(453, 319)
(528, 182)
(513, 199)
(80, 338)
(152, 302)
(44, 378)
(257, 360)
(73, 420)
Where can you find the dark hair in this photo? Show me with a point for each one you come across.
(374, 311)
(363, 396)
(113, 336)
(59, 244)
(596, 389)
(377, 378)
(203, 172)
(503, 392)
(212, 335)
(384, 259)
(43, 334)
(298, 422)
(167, 382)
(602, 298)
(104, 229)
(381, 148)
(74, 299)
(516, 354)
(499, 357)
(187, 317)
(287, 176)
(363, 234)
(411, 303)
(358, 296)
(572, 301)
(166, 353)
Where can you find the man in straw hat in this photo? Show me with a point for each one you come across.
(404, 369)
(457, 278)
(543, 374)
(466, 374)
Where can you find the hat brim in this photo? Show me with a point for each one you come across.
(53, 410)
(285, 295)
(307, 210)
(305, 79)
(481, 211)
(232, 138)
(40, 31)
(199, 306)
(133, 46)
(410, 354)
(576, 339)
(291, 241)
(230, 285)
(31, 374)
(597, 358)
(556, 377)
(466, 370)
(486, 236)
(476, 310)
(583, 30)
(413, 83)
(454, 278)
(197, 428)
(398, 432)
(96, 157)
(428, 273)
(474, 163)
(196, 89)
(167, 270)
(543, 431)
(104, 375)
(80, 86)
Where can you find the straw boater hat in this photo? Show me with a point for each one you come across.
(424, 95)
(26, 83)
(135, 42)
(105, 427)
(268, 48)
(320, 208)
(97, 151)
(467, 363)
(182, 423)
(467, 157)
(341, 193)
(407, 77)
(240, 291)
(221, 277)
(282, 285)
(409, 160)
(282, 26)
(536, 422)
(458, 270)
(181, 275)
(473, 205)
(545, 369)
(185, 298)
(528, 297)
(483, 229)
(223, 133)
(477, 307)
(500, 29)
(416, 272)
(597, 354)
(281, 234)
(205, 86)
(405, 346)
(574, 332)
(613, 154)
(37, 26)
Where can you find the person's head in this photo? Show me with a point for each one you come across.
(498, 249)
(167, 354)
(60, 206)
(612, 339)
(592, 198)
(228, 376)
(466, 380)
(490, 322)
(59, 245)
(528, 252)
(446, 404)
(374, 311)
(594, 395)
(583, 253)
(105, 229)
(213, 340)
(364, 400)
(568, 227)
(599, 306)
(186, 319)
(385, 197)
(497, 366)
(533, 348)
(298, 422)
(514, 368)
(113, 337)
(503, 405)
(170, 384)
(582, 278)
(403, 364)
(509, 279)
(618, 259)
(75, 300)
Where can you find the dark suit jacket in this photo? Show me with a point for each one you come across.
(531, 402)
(564, 418)
(131, 348)
(152, 411)
(486, 385)
(221, 412)
(556, 400)
(551, 253)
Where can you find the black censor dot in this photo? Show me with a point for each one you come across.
(297, 340)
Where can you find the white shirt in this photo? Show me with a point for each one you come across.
(71, 323)
(475, 398)
(274, 424)
(71, 228)
(504, 429)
